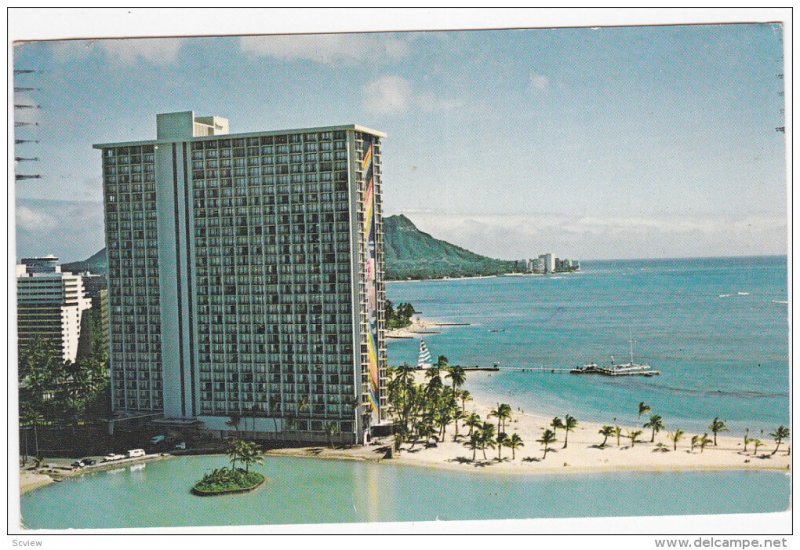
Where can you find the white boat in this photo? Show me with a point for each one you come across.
(624, 369)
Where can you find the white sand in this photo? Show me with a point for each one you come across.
(584, 455)
(416, 329)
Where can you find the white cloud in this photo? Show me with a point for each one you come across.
(328, 49)
(36, 221)
(538, 82)
(388, 95)
(392, 94)
(158, 51)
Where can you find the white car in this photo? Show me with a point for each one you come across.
(180, 446)
(112, 457)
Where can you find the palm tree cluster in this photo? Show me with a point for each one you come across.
(227, 479)
(244, 452)
(424, 411)
(53, 392)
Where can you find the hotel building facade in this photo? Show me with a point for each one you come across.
(245, 280)
(50, 306)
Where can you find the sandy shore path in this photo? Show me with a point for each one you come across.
(585, 455)
(418, 329)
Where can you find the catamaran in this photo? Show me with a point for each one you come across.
(624, 369)
(424, 360)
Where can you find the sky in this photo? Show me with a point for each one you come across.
(591, 143)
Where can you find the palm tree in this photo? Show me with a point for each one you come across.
(234, 420)
(617, 433)
(441, 362)
(556, 423)
(717, 425)
(695, 441)
(779, 435)
(656, 423)
(473, 443)
(548, 437)
(570, 423)
(234, 451)
(675, 437)
(502, 413)
(633, 435)
(704, 440)
(514, 442)
(502, 441)
(487, 437)
(458, 414)
(465, 396)
(473, 421)
(756, 444)
(505, 414)
(644, 408)
(330, 431)
(606, 431)
(746, 438)
(274, 411)
(249, 453)
(457, 377)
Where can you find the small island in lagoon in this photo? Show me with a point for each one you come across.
(233, 480)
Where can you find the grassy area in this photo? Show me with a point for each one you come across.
(227, 481)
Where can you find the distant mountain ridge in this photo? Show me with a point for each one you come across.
(414, 254)
(410, 254)
(96, 263)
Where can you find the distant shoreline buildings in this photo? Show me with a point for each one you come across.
(546, 264)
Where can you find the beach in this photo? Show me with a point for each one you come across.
(584, 454)
(417, 329)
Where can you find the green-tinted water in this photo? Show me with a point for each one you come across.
(321, 491)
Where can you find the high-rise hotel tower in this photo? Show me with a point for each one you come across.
(245, 279)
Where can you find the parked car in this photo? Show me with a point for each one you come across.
(156, 439)
(112, 457)
(77, 464)
(88, 461)
(135, 453)
(181, 446)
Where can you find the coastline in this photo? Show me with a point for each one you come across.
(418, 329)
(30, 480)
(583, 454)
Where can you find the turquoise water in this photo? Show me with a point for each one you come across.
(723, 356)
(321, 491)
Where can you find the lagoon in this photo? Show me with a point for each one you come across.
(301, 490)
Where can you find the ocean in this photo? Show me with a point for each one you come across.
(716, 328)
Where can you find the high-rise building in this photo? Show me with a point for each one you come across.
(245, 280)
(549, 262)
(50, 306)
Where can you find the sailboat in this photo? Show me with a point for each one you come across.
(424, 360)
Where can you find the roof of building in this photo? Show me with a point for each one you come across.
(356, 127)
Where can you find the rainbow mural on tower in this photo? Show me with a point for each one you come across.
(370, 270)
